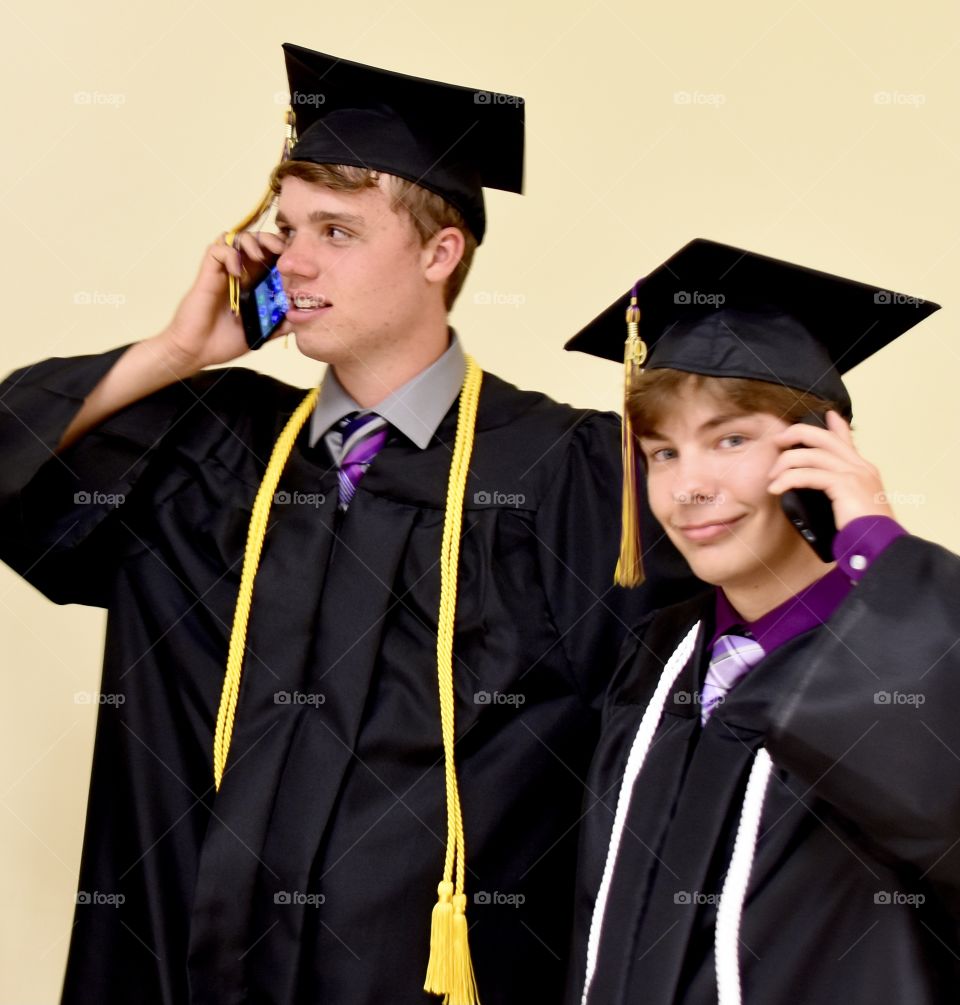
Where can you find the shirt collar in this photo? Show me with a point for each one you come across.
(812, 606)
(416, 409)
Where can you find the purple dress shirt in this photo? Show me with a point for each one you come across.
(854, 548)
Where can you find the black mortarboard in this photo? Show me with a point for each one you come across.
(721, 311)
(452, 140)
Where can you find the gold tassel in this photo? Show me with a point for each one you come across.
(233, 282)
(629, 570)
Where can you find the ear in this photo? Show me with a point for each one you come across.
(442, 253)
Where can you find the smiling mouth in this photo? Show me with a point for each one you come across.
(308, 301)
(709, 531)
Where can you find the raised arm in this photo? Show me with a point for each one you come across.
(202, 332)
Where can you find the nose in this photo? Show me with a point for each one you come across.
(694, 481)
(297, 262)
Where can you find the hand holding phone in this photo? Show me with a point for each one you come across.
(203, 330)
(828, 487)
(810, 510)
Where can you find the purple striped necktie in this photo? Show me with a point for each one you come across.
(363, 436)
(731, 658)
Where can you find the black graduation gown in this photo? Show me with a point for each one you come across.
(854, 894)
(310, 876)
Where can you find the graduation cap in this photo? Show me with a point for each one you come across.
(720, 311)
(454, 141)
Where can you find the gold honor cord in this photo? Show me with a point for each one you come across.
(251, 560)
(450, 968)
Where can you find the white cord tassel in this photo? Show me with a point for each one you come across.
(730, 909)
(638, 753)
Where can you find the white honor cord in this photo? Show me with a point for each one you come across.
(638, 753)
(730, 909)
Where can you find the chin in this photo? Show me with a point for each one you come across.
(323, 346)
(720, 565)
(715, 573)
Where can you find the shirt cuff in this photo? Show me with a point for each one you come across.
(862, 540)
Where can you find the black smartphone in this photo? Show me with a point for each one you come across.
(810, 510)
(263, 307)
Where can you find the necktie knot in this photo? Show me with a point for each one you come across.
(363, 436)
(732, 657)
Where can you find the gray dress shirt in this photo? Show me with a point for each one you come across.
(416, 409)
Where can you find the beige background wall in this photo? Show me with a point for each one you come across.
(822, 132)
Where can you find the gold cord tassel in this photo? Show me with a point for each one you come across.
(450, 967)
(463, 982)
(441, 938)
(629, 570)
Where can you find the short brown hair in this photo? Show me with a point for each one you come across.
(427, 211)
(656, 390)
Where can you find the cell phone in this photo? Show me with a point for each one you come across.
(263, 307)
(810, 510)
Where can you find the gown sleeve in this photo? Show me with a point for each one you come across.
(61, 514)
(871, 721)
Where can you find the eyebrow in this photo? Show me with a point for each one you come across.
(717, 420)
(324, 216)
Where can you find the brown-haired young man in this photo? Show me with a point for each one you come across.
(781, 813)
(279, 832)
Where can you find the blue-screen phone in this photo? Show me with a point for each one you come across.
(263, 308)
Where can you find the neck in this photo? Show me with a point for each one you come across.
(374, 378)
(760, 596)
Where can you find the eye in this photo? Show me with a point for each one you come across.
(285, 232)
(661, 454)
(734, 440)
(338, 234)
